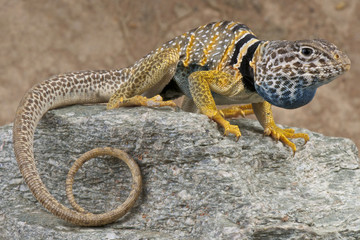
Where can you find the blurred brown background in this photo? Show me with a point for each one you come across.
(40, 38)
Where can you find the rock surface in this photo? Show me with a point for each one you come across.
(197, 183)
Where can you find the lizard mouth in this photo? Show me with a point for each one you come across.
(342, 66)
(329, 71)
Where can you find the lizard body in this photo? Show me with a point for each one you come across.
(218, 63)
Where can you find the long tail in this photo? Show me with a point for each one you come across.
(68, 89)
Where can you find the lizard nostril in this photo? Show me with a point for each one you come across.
(347, 67)
(336, 56)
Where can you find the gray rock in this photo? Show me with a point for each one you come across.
(198, 184)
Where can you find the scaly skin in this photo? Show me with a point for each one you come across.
(218, 63)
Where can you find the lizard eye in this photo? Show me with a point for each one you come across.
(306, 51)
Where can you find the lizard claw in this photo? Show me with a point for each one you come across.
(158, 101)
(217, 116)
(232, 129)
(284, 134)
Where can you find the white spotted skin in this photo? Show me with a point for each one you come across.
(208, 42)
(221, 46)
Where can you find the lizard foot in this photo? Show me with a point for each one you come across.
(235, 111)
(138, 100)
(234, 129)
(284, 134)
(217, 116)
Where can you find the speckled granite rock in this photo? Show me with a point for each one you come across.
(197, 183)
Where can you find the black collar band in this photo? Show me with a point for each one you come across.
(246, 71)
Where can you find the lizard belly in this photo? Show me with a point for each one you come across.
(244, 97)
(182, 74)
(180, 84)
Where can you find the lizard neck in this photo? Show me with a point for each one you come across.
(244, 55)
(247, 68)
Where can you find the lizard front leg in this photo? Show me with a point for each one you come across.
(201, 84)
(264, 115)
(150, 75)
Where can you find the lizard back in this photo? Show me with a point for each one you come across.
(214, 46)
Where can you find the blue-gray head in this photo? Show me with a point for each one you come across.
(287, 73)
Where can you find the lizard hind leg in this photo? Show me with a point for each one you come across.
(238, 110)
(139, 100)
(148, 78)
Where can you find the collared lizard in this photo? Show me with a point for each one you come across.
(214, 64)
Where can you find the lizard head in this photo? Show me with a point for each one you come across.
(287, 73)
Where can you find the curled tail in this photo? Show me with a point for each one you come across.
(68, 89)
